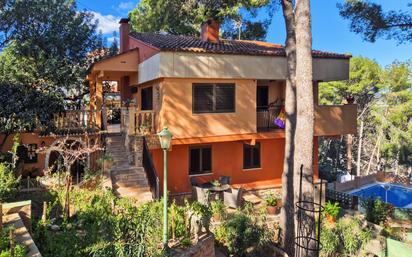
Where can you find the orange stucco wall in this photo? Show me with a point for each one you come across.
(145, 51)
(227, 160)
(176, 110)
(34, 138)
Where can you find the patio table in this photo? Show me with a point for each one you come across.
(216, 189)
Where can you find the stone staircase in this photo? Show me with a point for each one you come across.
(128, 178)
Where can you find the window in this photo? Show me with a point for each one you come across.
(147, 98)
(213, 98)
(200, 160)
(251, 156)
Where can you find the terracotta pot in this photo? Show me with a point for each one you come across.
(107, 165)
(273, 210)
(330, 219)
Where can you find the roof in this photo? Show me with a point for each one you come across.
(167, 42)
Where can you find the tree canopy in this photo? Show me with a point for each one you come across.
(184, 17)
(369, 20)
(46, 45)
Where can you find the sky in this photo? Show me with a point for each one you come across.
(330, 31)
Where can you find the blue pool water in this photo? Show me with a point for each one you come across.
(397, 195)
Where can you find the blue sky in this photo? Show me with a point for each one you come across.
(330, 31)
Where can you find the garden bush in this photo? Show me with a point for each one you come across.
(241, 235)
(377, 211)
(19, 250)
(102, 225)
(8, 182)
(345, 238)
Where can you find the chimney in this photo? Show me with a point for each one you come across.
(124, 34)
(210, 31)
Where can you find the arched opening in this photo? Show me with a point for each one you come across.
(55, 162)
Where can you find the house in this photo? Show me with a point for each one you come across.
(219, 98)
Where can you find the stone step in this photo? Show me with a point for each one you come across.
(127, 169)
(138, 178)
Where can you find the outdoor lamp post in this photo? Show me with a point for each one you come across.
(165, 137)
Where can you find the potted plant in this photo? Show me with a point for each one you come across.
(106, 162)
(272, 204)
(331, 211)
(218, 210)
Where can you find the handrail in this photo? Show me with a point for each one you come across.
(150, 171)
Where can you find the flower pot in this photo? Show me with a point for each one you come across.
(330, 219)
(273, 210)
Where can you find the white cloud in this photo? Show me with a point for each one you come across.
(106, 23)
(126, 5)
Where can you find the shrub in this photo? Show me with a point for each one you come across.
(19, 250)
(376, 210)
(239, 233)
(345, 238)
(8, 182)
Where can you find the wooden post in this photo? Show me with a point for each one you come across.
(12, 243)
(44, 215)
(99, 102)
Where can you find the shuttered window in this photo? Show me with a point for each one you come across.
(200, 160)
(251, 156)
(147, 98)
(213, 98)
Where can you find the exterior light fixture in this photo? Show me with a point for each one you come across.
(165, 138)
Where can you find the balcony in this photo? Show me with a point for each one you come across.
(138, 122)
(329, 120)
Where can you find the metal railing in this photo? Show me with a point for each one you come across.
(150, 172)
(265, 118)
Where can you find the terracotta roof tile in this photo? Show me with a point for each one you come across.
(166, 42)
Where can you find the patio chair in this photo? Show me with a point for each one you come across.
(225, 180)
(233, 199)
(201, 195)
(194, 182)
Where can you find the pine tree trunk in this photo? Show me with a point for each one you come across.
(349, 149)
(287, 222)
(358, 162)
(305, 116)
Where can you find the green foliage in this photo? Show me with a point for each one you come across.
(178, 223)
(185, 17)
(345, 238)
(271, 200)
(218, 208)
(201, 209)
(377, 211)
(332, 209)
(21, 107)
(19, 250)
(239, 232)
(8, 182)
(103, 226)
(369, 20)
(46, 45)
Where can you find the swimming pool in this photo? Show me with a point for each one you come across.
(397, 195)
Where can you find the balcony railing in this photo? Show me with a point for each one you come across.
(138, 122)
(76, 119)
(265, 118)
